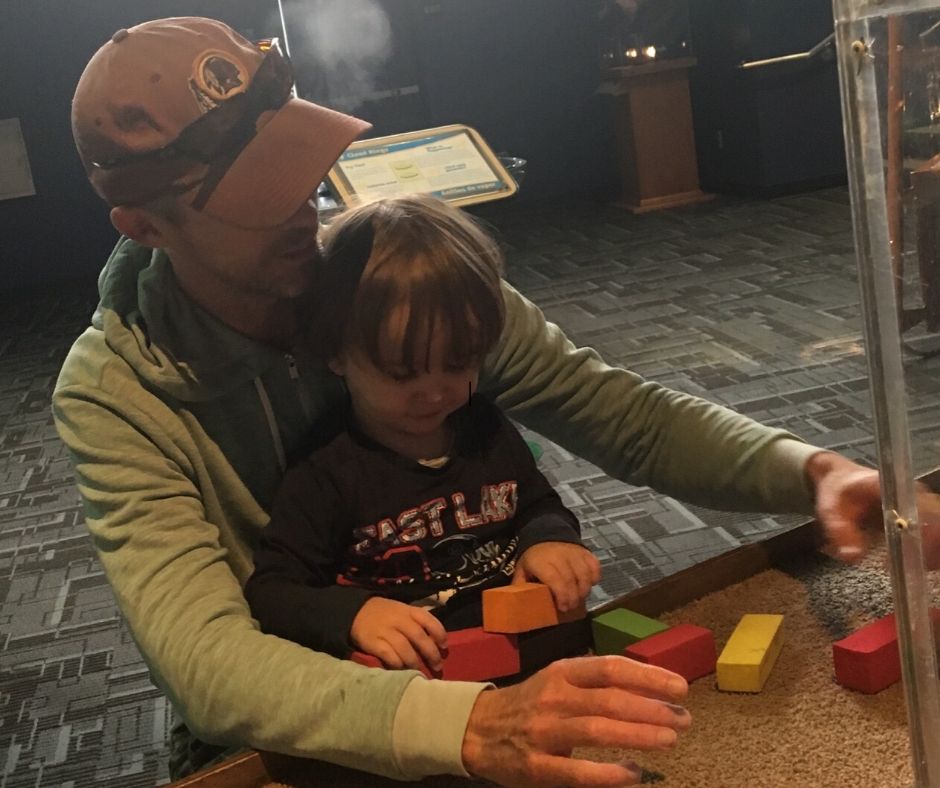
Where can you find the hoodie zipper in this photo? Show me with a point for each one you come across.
(292, 366)
(294, 374)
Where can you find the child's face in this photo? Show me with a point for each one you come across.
(395, 400)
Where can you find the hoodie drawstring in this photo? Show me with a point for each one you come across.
(272, 424)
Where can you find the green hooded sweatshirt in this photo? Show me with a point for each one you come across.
(179, 429)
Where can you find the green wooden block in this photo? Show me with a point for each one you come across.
(617, 629)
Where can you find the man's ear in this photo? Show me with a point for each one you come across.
(140, 225)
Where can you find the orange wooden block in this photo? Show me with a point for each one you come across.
(523, 607)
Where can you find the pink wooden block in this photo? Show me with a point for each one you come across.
(685, 649)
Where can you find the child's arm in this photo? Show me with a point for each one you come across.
(293, 592)
(550, 548)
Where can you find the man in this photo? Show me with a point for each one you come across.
(189, 396)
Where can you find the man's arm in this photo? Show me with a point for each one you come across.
(636, 430)
(172, 577)
(148, 498)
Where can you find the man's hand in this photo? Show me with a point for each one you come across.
(400, 635)
(569, 570)
(848, 500)
(523, 735)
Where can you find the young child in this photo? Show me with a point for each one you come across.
(428, 495)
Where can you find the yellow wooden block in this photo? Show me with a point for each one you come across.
(750, 653)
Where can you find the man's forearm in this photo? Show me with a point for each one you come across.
(636, 430)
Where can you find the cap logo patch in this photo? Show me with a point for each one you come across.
(216, 78)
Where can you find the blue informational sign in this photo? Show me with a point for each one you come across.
(450, 162)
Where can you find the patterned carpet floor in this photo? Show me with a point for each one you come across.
(753, 304)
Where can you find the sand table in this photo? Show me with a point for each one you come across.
(803, 729)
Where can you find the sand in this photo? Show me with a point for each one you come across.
(803, 729)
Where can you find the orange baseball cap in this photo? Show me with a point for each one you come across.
(187, 106)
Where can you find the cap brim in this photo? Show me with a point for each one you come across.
(283, 165)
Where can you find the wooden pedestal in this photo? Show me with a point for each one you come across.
(655, 137)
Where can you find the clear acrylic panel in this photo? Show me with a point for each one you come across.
(889, 66)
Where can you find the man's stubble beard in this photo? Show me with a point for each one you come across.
(294, 287)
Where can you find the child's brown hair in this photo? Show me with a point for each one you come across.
(414, 252)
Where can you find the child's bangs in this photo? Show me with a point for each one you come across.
(436, 294)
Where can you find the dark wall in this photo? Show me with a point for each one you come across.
(773, 129)
(522, 71)
(391, 96)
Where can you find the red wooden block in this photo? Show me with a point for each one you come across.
(868, 660)
(684, 649)
(475, 655)
(472, 655)
(361, 658)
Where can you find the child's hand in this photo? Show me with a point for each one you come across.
(569, 570)
(400, 635)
